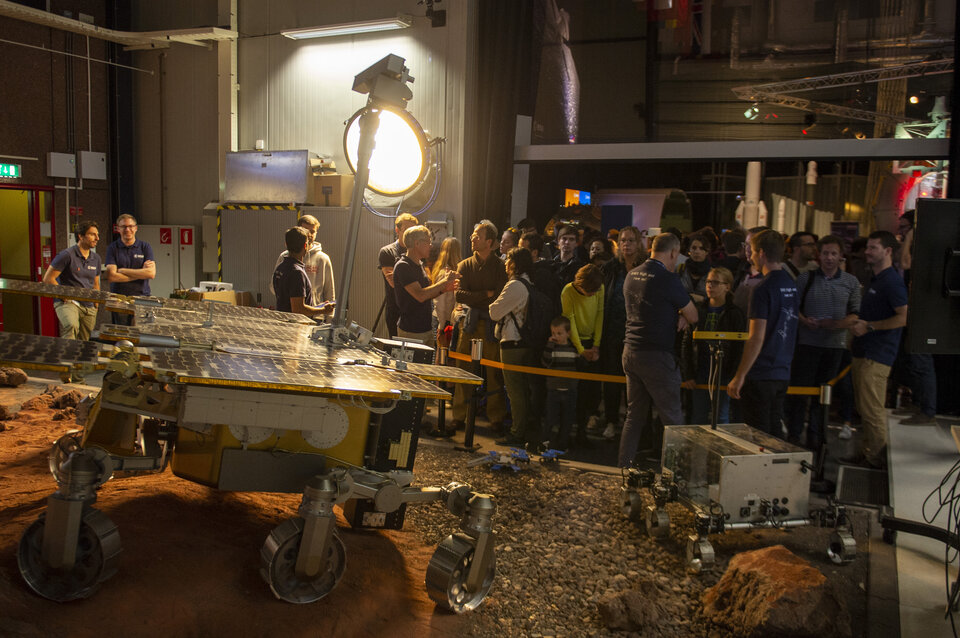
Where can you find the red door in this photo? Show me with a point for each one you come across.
(26, 248)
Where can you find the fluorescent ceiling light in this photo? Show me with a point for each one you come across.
(350, 28)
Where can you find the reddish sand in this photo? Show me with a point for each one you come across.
(191, 558)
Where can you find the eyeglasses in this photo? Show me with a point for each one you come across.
(716, 282)
(127, 226)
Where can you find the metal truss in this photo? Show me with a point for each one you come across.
(776, 92)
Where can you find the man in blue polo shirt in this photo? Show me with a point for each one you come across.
(653, 297)
(129, 266)
(883, 314)
(77, 266)
(763, 375)
(291, 283)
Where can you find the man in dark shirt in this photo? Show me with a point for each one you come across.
(290, 280)
(883, 314)
(482, 277)
(763, 375)
(77, 266)
(413, 288)
(566, 263)
(653, 297)
(129, 266)
(389, 255)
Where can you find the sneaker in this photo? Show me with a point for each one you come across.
(610, 432)
(846, 432)
(907, 410)
(511, 441)
(919, 419)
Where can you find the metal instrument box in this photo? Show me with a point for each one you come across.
(270, 177)
(751, 475)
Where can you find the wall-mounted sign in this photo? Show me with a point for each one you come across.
(10, 171)
(186, 236)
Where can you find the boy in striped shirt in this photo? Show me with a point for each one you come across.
(560, 354)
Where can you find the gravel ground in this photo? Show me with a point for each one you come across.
(563, 544)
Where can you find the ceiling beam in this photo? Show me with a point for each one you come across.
(770, 150)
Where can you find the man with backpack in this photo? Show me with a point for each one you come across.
(520, 327)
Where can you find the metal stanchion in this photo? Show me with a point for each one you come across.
(442, 355)
(818, 483)
(476, 353)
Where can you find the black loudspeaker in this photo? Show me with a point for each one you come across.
(934, 303)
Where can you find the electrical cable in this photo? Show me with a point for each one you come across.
(949, 499)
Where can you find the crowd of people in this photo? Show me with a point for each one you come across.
(623, 304)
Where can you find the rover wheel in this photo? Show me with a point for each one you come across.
(842, 548)
(631, 504)
(447, 575)
(700, 556)
(278, 559)
(658, 522)
(98, 547)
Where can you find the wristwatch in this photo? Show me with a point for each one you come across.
(870, 327)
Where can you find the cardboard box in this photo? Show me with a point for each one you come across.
(228, 296)
(333, 190)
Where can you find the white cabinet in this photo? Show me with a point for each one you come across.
(175, 251)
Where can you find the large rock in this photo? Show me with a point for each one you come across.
(56, 397)
(12, 377)
(773, 592)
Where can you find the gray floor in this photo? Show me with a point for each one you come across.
(919, 457)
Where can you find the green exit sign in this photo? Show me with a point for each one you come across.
(10, 171)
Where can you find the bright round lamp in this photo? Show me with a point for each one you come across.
(399, 159)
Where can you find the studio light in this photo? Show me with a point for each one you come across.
(350, 28)
(914, 99)
(753, 112)
(399, 159)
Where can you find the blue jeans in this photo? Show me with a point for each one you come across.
(653, 380)
(561, 412)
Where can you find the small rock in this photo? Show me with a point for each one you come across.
(12, 377)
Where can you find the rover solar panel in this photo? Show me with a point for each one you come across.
(47, 353)
(36, 288)
(220, 308)
(216, 368)
(250, 339)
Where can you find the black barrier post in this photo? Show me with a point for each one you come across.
(442, 409)
(819, 484)
(476, 353)
(716, 369)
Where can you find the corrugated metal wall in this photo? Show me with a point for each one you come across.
(366, 291)
(297, 93)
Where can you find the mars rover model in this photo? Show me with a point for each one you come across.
(731, 477)
(246, 399)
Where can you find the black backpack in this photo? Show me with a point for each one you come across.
(536, 329)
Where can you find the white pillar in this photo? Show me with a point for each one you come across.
(751, 208)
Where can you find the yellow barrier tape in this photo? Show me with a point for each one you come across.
(611, 378)
(544, 372)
